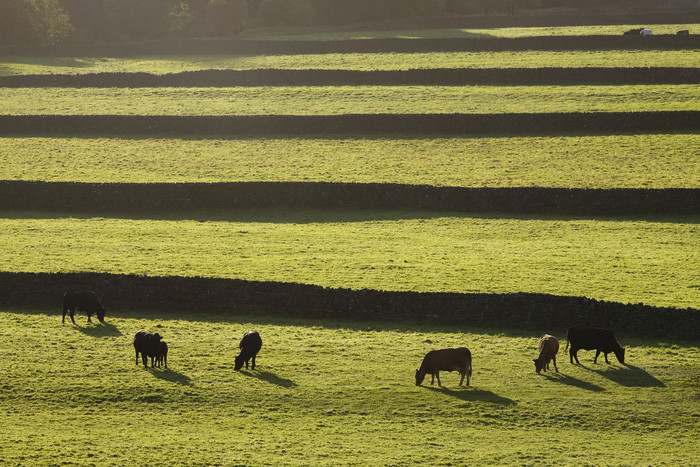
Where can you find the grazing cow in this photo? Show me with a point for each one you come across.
(148, 345)
(162, 354)
(633, 32)
(435, 361)
(250, 346)
(85, 300)
(600, 340)
(549, 346)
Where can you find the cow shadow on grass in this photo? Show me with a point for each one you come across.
(471, 394)
(171, 376)
(99, 330)
(629, 376)
(571, 381)
(269, 377)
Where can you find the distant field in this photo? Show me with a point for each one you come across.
(321, 395)
(336, 100)
(612, 30)
(653, 261)
(350, 61)
(614, 161)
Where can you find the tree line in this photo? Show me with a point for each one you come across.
(75, 21)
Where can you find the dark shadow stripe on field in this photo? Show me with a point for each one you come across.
(269, 377)
(415, 77)
(470, 394)
(231, 297)
(378, 45)
(366, 124)
(163, 197)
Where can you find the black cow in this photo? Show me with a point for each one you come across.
(162, 354)
(600, 340)
(250, 346)
(148, 345)
(85, 300)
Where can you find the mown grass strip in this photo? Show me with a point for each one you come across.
(172, 63)
(653, 261)
(320, 392)
(609, 161)
(339, 100)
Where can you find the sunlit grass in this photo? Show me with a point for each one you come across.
(613, 161)
(653, 261)
(352, 61)
(338, 100)
(456, 33)
(330, 393)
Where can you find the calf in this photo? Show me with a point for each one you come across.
(600, 340)
(148, 345)
(85, 300)
(549, 347)
(435, 361)
(162, 354)
(250, 346)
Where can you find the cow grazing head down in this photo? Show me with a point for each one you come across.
(250, 345)
(454, 359)
(85, 300)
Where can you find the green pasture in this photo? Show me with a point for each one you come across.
(13, 65)
(651, 260)
(339, 100)
(610, 161)
(456, 33)
(331, 393)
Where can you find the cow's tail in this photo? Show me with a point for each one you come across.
(567, 346)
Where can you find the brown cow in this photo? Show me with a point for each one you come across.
(549, 346)
(455, 359)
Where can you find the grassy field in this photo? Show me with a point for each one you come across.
(331, 393)
(610, 161)
(338, 100)
(653, 260)
(449, 33)
(12, 65)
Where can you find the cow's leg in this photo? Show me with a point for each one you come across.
(462, 379)
(252, 366)
(437, 375)
(554, 360)
(144, 359)
(89, 313)
(432, 381)
(65, 310)
(71, 312)
(137, 357)
(597, 352)
(575, 354)
(246, 364)
(606, 358)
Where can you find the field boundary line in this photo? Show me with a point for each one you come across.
(159, 197)
(370, 124)
(236, 296)
(320, 77)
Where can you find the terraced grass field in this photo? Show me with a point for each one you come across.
(13, 65)
(338, 100)
(608, 161)
(331, 393)
(653, 260)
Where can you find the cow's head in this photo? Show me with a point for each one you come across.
(620, 354)
(238, 363)
(539, 364)
(420, 376)
(101, 314)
